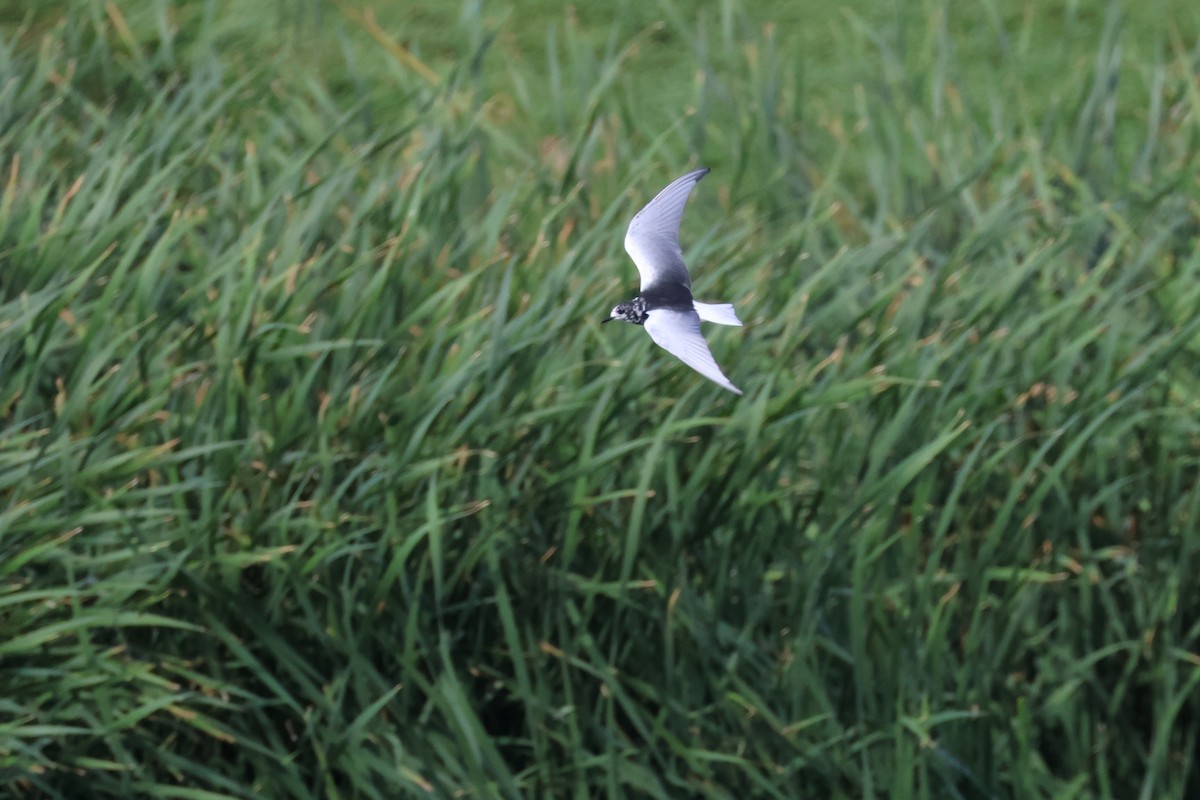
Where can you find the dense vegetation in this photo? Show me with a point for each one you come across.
(319, 477)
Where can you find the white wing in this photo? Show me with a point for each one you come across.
(678, 332)
(652, 240)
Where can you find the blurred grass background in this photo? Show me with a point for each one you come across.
(319, 478)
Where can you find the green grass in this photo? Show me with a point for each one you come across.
(319, 477)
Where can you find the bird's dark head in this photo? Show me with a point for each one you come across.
(633, 311)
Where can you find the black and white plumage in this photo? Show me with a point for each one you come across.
(665, 306)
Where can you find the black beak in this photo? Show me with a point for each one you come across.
(607, 319)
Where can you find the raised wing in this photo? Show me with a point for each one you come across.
(652, 240)
(678, 332)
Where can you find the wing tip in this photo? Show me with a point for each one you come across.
(728, 384)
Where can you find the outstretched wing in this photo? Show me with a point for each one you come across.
(652, 240)
(678, 332)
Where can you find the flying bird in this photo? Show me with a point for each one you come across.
(665, 306)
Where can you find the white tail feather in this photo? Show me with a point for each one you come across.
(720, 313)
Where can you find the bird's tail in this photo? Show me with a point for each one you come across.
(720, 313)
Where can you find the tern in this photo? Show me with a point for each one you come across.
(665, 306)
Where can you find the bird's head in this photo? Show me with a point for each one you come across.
(628, 312)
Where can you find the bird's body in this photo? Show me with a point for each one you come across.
(665, 306)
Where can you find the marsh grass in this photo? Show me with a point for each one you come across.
(318, 476)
